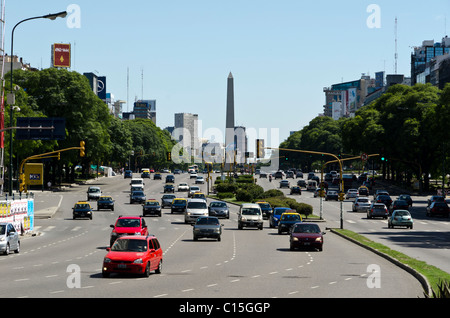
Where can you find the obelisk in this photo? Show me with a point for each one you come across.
(229, 127)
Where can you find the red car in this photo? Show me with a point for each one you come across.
(133, 254)
(306, 235)
(128, 225)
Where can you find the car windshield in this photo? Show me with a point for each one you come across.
(129, 245)
(169, 197)
(264, 205)
(94, 190)
(82, 206)
(195, 189)
(306, 228)
(218, 205)
(363, 200)
(290, 217)
(207, 221)
(251, 211)
(105, 198)
(280, 211)
(197, 205)
(152, 203)
(183, 202)
(128, 223)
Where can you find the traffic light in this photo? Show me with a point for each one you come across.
(169, 156)
(341, 196)
(21, 182)
(59, 156)
(82, 154)
(259, 148)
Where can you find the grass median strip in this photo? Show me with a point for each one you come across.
(434, 275)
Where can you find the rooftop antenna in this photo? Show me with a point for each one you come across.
(396, 55)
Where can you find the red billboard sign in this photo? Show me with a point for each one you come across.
(61, 55)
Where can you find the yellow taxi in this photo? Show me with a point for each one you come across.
(199, 195)
(287, 220)
(265, 208)
(82, 209)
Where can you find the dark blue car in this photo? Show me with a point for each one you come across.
(276, 215)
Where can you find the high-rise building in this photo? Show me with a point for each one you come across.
(186, 131)
(422, 56)
(344, 99)
(145, 109)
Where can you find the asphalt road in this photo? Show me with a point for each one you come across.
(65, 259)
(428, 241)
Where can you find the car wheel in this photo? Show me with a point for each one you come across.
(17, 250)
(105, 274)
(6, 252)
(159, 269)
(147, 270)
(218, 239)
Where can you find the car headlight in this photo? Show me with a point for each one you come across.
(319, 239)
(138, 261)
(295, 238)
(106, 260)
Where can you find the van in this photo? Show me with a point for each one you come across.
(250, 215)
(137, 181)
(311, 185)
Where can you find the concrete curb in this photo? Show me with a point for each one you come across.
(422, 279)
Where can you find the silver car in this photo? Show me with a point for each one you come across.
(9, 239)
(361, 204)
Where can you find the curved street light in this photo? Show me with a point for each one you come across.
(51, 16)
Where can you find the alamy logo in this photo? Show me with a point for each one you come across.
(73, 20)
(374, 19)
(374, 278)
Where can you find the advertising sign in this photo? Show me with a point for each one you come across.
(61, 55)
(34, 173)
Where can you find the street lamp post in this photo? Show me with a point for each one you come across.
(52, 16)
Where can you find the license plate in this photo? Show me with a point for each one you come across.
(121, 266)
(306, 243)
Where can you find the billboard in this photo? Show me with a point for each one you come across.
(34, 173)
(61, 55)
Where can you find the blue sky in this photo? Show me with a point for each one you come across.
(281, 53)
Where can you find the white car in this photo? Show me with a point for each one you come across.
(193, 175)
(351, 194)
(192, 190)
(361, 204)
(183, 186)
(9, 239)
(195, 208)
(94, 193)
(199, 180)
